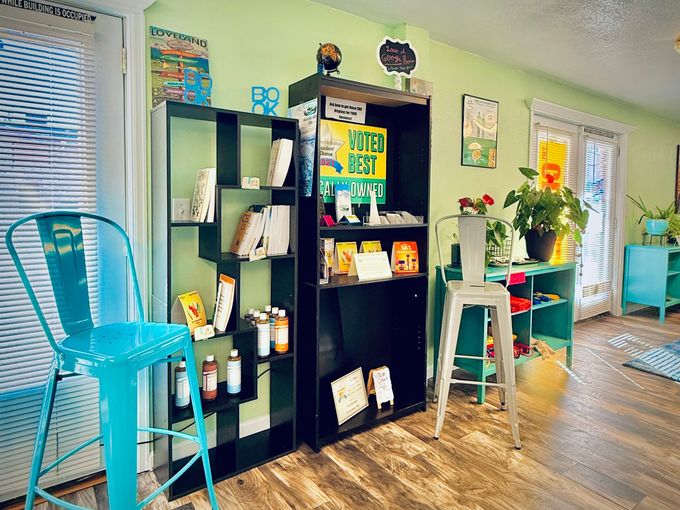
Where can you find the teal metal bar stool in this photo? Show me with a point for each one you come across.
(112, 353)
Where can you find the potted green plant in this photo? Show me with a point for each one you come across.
(656, 219)
(545, 215)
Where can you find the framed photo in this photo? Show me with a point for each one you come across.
(349, 395)
(480, 132)
(677, 181)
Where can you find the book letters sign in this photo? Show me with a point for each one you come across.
(355, 155)
(397, 57)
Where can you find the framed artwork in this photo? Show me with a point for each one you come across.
(677, 181)
(480, 132)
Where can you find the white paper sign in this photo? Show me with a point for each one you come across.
(383, 385)
(370, 266)
(345, 110)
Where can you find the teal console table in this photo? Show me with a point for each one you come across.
(650, 277)
(552, 322)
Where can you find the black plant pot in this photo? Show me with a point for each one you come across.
(455, 254)
(540, 247)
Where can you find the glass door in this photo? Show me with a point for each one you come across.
(595, 257)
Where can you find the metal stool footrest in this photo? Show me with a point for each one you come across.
(70, 506)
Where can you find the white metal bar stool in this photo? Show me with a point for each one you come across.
(472, 290)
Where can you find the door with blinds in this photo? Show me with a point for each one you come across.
(584, 159)
(61, 147)
(599, 155)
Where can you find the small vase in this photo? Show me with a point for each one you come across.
(540, 247)
(656, 227)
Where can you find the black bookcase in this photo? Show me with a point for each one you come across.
(346, 323)
(231, 454)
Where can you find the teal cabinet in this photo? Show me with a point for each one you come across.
(651, 277)
(552, 322)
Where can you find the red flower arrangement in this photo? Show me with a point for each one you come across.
(469, 205)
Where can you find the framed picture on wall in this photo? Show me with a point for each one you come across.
(480, 132)
(677, 180)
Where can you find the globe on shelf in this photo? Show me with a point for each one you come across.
(328, 58)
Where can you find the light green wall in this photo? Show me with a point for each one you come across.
(273, 43)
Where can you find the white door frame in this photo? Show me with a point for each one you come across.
(134, 42)
(571, 116)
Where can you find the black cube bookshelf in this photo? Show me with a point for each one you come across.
(348, 323)
(231, 454)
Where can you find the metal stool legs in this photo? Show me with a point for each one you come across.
(41, 436)
(118, 409)
(442, 342)
(453, 311)
(508, 366)
(505, 368)
(200, 424)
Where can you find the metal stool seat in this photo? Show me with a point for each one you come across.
(474, 291)
(112, 353)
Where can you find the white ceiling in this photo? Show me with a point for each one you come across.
(620, 48)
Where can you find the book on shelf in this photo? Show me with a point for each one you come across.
(203, 202)
(279, 161)
(266, 226)
(188, 309)
(224, 302)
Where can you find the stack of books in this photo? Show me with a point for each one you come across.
(265, 226)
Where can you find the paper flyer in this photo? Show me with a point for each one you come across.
(306, 114)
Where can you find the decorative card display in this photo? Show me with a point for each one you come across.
(179, 68)
(370, 266)
(188, 309)
(380, 385)
(343, 201)
(405, 257)
(349, 395)
(353, 155)
(480, 132)
(343, 257)
(370, 246)
(328, 249)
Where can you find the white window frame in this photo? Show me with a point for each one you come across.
(539, 107)
(134, 26)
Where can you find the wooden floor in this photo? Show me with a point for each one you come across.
(597, 440)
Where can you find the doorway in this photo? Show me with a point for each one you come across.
(586, 160)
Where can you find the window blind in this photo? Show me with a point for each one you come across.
(554, 152)
(597, 251)
(47, 161)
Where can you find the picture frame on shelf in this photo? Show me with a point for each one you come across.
(479, 132)
(349, 395)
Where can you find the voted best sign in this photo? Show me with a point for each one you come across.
(353, 154)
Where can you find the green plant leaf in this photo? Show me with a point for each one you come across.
(529, 173)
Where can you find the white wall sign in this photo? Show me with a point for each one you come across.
(345, 110)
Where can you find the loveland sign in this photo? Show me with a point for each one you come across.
(397, 57)
(353, 154)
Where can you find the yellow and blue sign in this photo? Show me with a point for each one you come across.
(352, 154)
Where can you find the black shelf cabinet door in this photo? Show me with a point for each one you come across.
(348, 324)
